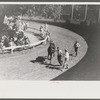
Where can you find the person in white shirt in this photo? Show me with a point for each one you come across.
(46, 27)
(11, 43)
(59, 56)
(66, 59)
(48, 36)
(20, 26)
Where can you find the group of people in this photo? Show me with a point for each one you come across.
(44, 32)
(14, 34)
(63, 58)
(19, 27)
(22, 26)
(15, 23)
(51, 53)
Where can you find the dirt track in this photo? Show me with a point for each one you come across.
(89, 67)
(25, 65)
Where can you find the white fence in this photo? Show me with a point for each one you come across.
(12, 48)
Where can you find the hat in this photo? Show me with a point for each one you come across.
(66, 50)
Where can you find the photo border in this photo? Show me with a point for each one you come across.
(85, 89)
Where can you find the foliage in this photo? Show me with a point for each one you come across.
(52, 11)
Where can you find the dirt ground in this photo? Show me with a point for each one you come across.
(32, 64)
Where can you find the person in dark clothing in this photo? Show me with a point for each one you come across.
(76, 46)
(14, 27)
(41, 31)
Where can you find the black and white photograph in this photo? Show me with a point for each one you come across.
(49, 50)
(49, 41)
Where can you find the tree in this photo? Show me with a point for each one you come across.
(47, 11)
(52, 11)
(2, 14)
(57, 12)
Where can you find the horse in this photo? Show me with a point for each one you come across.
(51, 51)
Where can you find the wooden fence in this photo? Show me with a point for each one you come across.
(12, 48)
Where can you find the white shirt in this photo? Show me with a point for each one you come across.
(77, 45)
(67, 56)
(46, 27)
(41, 30)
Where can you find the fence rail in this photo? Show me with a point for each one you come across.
(12, 48)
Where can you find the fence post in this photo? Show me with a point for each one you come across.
(72, 13)
(11, 51)
(86, 8)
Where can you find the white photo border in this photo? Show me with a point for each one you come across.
(50, 89)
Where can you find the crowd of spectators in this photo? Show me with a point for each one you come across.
(13, 32)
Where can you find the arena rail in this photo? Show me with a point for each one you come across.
(12, 48)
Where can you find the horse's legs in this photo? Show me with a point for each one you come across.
(48, 55)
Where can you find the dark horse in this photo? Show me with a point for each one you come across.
(51, 51)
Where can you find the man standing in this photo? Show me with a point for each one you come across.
(59, 55)
(41, 31)
(46, 27)
(66, 59)
(48, 36)
(76, 46)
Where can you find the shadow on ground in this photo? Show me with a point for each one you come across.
(89, 67)
(42, 60)
(51, 66)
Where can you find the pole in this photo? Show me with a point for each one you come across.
(86, 8)
(99, 16)
(72, 13)
(60, 12)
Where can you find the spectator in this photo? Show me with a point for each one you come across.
(11, 43)
(41, 31)
(14, 27)
(2, 46)
(59, 55)
(46, 27)
(76, 46)
(26, 40)
(66, 59)
(6, 41)
(26, 25)
(48, 36)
